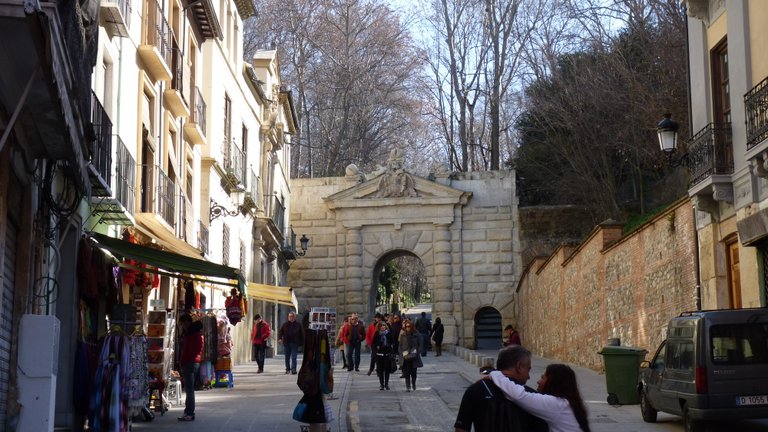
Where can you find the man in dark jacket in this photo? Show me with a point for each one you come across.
(485, 407)
(291, 336)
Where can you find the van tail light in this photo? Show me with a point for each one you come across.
(701, 380)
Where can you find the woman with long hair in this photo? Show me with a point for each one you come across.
(383, 350)
(558, 402)
(410, 345)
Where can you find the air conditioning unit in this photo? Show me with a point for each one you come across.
(37, 369)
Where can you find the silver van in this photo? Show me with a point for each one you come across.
(713, 365)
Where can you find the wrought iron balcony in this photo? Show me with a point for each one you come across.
(202, 237)
(234, 166)
(756, 107)
(116, 16)
(278, 214)
(156, 43)
(710, 152)
(118, 209)
(252, 198)
(289, 245)
(100, 165)
(158, 193)
(184, 215)
(174, 93)
(194, 128)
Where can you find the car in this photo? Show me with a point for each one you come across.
(712, 366)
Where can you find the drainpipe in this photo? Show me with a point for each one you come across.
(697, 261)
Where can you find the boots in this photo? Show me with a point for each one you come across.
(438, 350)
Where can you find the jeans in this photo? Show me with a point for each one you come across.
(260, 353)
(291, 351)
(424, 343)
(353, 355)
(188, 373)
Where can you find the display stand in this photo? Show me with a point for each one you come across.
(159, 355)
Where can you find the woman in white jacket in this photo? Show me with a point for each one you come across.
(558, 402)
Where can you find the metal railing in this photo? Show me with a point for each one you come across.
(202, 237)
(158, 193)
(278, 214)
(157, 31)
(101, 148)
(234, 161)
(710, 152)
(125, 10)
(198, 109)
(184, 216)
(177, 68)
(125, 176)
(756, 107)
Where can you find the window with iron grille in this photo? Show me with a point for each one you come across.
(225, 246)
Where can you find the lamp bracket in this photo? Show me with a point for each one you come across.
(219, 210)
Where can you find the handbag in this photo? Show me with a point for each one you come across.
(392, 363)
(298, 412)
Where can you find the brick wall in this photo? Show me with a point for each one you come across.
(568, 304)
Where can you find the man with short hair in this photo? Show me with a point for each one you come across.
(292, 337)
(424, 327)
(353, 335)
(259, 336)
(485, 407)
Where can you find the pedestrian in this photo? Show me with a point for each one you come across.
(423, 327)
(340, 341)
(353, 337)
(511, 336)
(291, 336)
(437, 336)
(395, 326)
(260, 334)
(411, 347)
(558, 402)
(485, 407)
(370, 332)
(315, 381)
(189, 359)
(383, 349)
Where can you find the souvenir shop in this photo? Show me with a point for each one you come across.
(131, 295)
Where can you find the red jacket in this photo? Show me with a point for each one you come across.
(371, 332)
(191, 348)
(346, 333)
(260, 339)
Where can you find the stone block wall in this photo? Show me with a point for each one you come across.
(569, 304)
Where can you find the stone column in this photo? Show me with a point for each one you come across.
(354, 299)
(442, 292)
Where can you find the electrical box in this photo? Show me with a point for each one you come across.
(37, 369)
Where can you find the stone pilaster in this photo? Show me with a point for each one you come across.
(354, 270)
(442, 292)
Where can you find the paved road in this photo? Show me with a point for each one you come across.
(265, 402)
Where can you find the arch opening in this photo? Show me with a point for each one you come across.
(488, 328)
(399, 283)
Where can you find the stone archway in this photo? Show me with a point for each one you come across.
(462, 226)
(488, 329)
(388, 257)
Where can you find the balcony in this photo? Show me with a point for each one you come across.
(157, 195)
(756, 107)
(116, 17)
(234, 166)
(288, 248)
(118, 209)
(252, 199)
(100, 165)
(184, 216)
(202, 238)
(174, 92)
(156, 43)
(711, 153)
(194, 128)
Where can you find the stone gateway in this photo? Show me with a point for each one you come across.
(462, 226)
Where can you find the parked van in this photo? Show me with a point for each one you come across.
(713, 365)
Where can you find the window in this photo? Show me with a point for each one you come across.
(680, 355)
(225, 246)
(227, 119)
(721, 90)
(740, 343)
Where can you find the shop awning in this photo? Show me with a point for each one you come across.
(170, 262)
(279, 294)
(151, 224)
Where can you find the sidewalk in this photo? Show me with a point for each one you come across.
(265, 402)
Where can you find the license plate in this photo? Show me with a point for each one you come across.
(751, 400)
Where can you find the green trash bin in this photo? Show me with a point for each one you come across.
(622, 367)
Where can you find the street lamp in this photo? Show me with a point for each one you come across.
(219, 210)
(304, 241)
(667, 132)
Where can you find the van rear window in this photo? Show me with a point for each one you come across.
(739, 343)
